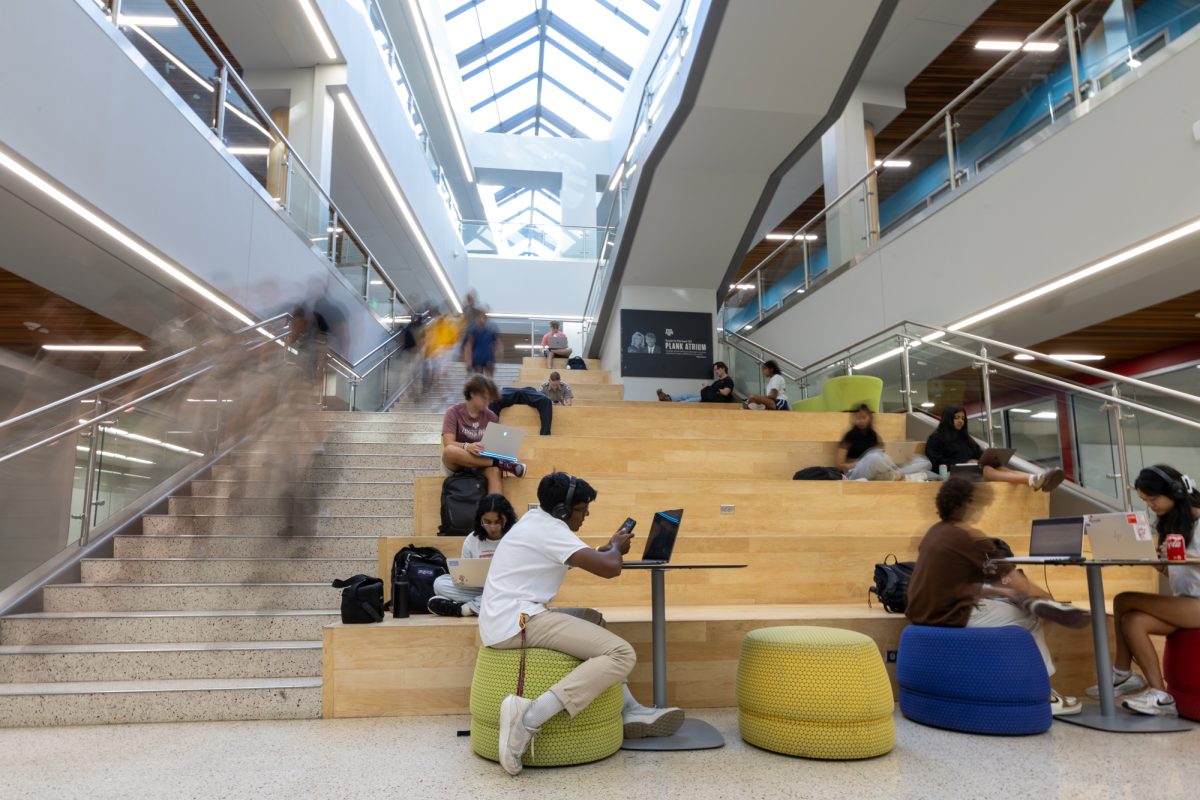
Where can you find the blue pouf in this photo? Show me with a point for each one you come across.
(974, 680)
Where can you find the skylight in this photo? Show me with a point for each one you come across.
(548, 67)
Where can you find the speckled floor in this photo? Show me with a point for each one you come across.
(422, 758)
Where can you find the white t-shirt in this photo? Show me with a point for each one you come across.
(528, 567)
(1185, 579)
(474, 547)
(777, 382)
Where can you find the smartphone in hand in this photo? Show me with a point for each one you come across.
(627, 526)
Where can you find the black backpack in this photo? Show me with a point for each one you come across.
(576, 362)
(818, 474)
(420, 566)
(461, 493)
(891, 584)
(362, 599)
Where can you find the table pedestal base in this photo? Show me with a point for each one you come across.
(694, 734)
(1124, 722)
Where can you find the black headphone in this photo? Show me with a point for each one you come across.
(563, 510)
(1175, 489)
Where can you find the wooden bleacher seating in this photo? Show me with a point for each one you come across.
(810, 547)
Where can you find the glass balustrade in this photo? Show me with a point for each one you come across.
(1026, 92)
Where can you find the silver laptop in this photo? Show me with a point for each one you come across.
(660, 543)
(996, 457)
(1056, 539)
(470, 573)
(1121, 537)
(502, 441)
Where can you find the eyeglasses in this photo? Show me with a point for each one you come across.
(496, 524)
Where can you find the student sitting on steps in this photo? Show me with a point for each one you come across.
(952, 444)
(957, 583)
(494, 518)
(462, 430)
(719, 391)
(860, 454)
(526, 573)
(776, 398)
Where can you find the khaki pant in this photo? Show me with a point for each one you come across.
(607, 658)
(991, 612)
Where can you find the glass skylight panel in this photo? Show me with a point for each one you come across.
(587, 121)
(602, 26)
(557, 41)
(520, 99)
(463, 30)
(587, 84)
(496, 15)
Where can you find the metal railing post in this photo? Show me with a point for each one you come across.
(366, 287)
(950, 151)
(222, 90)
(984, 376)
(905, 376)
(804, 245)
(1073, 54)
(353, 391)
(1122, 474)
(758, 284)
(333, 226)
(114, 7)
(91, 471)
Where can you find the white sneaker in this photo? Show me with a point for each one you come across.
(1121, 686)
(1062, 705)
(642, 722)
(1153, 702)
(515, 738)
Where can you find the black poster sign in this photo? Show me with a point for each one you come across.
(666, 344)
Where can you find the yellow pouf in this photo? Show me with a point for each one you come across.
(814, 692)
(593, 734)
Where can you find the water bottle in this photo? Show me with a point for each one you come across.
(943, 471)
(400, 599)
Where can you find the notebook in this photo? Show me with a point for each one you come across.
(1056, 539)
(501, 441)
(660, 543)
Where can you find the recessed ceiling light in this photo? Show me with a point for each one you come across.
(1040, 47)
(748, 328)
(1007, 45)
(783, 237)
(149, 21)
(799, 291)
(33, 326)
(250, 151)
(1022, 357)
(318, 28)
(927, 404)
(1045, 415)
(1020, 411)
(897, 163)
(739, 286)
(95, 348)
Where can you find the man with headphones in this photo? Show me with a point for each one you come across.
(526, 572)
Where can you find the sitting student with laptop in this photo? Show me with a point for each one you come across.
(951, 444)
(463, 428)
(458, 594)
(959, 583)
(1137, 616)
(526, 573)
(860, 454)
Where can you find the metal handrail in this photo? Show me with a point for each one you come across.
(772, 353)
(127, 376)
(1007, 59)
(232, 74)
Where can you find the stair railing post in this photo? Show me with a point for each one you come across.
(985, 380)
(905, 375)
(1122, 474)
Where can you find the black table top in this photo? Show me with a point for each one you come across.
(683, 566)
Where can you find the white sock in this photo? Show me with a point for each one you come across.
(1032, 478)
(1121, 673)
(631, 703)
(543, 708)
(467, 611)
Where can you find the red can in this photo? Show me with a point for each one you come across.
(1175, 548)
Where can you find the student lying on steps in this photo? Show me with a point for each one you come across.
(526, 573)
(957, 583)
(493, 518)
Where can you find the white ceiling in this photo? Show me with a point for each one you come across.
(264, 34)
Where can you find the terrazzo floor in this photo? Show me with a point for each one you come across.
(420, 757)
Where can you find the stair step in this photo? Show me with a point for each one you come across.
(47, 663)
(109, 702)
(265, 453)
(386, 424)
(380, 490)
(246, 546)
(184, 596)
(221, 570)
(309, 507)
(335, 474)
(263, 524)
(295, 437)
(133, 626)
(373, 416)
(417, 459)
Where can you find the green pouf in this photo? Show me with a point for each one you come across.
(595, 733)
(814, 692)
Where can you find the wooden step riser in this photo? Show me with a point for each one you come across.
(141, 664)
(165, 629)
(536, 377)
(536, 362)
(107, 708)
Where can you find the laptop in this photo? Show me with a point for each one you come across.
(660, 543)
(996, 457)
(1121, 537)
(1056, 539)
(502, 441)
(469, 573)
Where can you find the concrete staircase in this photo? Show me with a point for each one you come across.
(210, 613)
(447, 389)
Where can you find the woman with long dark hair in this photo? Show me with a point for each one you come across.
(1137, 616)
(952, 444)
(494, 517)
(776, 398)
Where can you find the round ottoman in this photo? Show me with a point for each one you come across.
(1181, 668)
(814, 692)
(594, 733)
(974, 680)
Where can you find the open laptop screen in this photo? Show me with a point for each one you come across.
(1059, 536)
(660, 543)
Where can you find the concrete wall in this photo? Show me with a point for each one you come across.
(151, 167)
(1122, 173)
(531, 285)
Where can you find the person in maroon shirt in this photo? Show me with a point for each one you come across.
(958, 582)
(462, 430)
